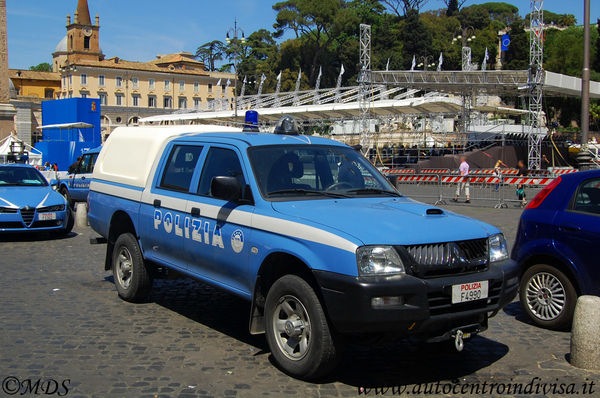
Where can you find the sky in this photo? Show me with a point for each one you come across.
(138, 30)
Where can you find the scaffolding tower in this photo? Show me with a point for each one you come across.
(364, 81)
(535, 84)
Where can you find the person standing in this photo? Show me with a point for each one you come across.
(520, 187)
(463, 170)
(498, 173)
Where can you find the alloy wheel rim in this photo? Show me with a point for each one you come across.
(292, 327)
(124, 267)
(546, 296)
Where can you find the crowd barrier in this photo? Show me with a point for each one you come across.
(499, 191)
(551, 172)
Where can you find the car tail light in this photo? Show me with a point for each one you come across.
(539, 198)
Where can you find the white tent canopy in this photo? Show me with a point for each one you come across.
(35, 155)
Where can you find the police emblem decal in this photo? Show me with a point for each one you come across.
(237, 241)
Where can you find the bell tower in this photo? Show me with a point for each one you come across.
(83, 37)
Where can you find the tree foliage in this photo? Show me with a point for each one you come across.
(43, 67)
(210, 53)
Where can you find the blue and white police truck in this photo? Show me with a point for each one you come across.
(75, 185)
(304, 228)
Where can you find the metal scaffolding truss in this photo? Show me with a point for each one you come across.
(535, 83)
(364, 87)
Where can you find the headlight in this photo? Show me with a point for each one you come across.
(498, 248)
(378, 260)
(51, 208)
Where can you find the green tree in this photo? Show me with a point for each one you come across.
(596, 62)
(416, 38)
(43, 67)
(502, 12)
(451, 7)
(210, 53)
(517, 56)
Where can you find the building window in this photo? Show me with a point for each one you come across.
(48, 93)
(86, 42)
(223, 88)
(167, 85)
(119, 80)
(70, 79)
(83, 79)
(151, 84)
(196, 87)
(103, 98)
(135, 100)
(101, 80)
(64, 81)
(181, 85)
(196, 103)
(151, 101)
(182, 102)
(119, 99)
(84, 95)
(167, 102)
(134, 82)
(209, 87)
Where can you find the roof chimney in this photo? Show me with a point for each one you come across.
(97, 20)
(68, 19)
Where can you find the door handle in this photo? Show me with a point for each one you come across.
(156, 203)
(195, 212)
(83, 177)
(571, 228)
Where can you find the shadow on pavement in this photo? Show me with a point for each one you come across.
(35, 236)
(515, 310)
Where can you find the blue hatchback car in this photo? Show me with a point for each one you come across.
(28, 203)
(556, 247)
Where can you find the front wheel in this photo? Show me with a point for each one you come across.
(131, 277)
(548, 297)
(297, 330)
(70, 222)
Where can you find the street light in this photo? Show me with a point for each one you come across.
(425, 62)
(236, 42)
(467, 35)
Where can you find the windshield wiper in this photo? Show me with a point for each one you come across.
(373, 191)
(307, 191)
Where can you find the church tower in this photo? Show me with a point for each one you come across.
(82, 41)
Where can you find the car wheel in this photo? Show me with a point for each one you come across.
(548, 297)
(297, 330)
(65, 193)
(131, 277)
(70, 222)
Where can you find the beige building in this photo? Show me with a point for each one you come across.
(129, 90)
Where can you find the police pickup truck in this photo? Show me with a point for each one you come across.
(75, 185)
(304, 228)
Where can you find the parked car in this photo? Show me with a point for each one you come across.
(556, 246)
(29, 203)
(304, 228)
(76, 185)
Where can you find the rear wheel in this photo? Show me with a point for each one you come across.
(297, 330)
(131, 276)
(548, 297)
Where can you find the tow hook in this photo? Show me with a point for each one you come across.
(458, 340)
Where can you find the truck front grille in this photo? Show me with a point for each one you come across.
(448, 258)
(441, 302)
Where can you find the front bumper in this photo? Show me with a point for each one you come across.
(427, 310)
(15, 222)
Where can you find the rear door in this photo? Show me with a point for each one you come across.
(163, 217)
(79, 183)
(579, 229)
(219, 248)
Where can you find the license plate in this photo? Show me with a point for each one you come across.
(469, 292)
(47, 216)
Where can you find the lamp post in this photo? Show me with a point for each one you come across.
(235, 38)
(425, 62)
(466, 36)
(584, 157)
(20, 91)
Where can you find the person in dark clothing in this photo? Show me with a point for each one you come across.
(75, 165)
(521, 188)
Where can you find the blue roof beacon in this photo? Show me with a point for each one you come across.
(306, 229)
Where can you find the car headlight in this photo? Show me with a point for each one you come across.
(378, 260)
(51, 208)
(498, 249)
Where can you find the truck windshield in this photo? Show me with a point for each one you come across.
(290, 172)
(21, 176)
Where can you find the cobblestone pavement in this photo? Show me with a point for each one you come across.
(62, 319)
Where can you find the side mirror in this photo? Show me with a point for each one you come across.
(54, 183)
(226, 188)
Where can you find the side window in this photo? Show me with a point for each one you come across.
(90, 168)
(180, 167)
(220, 162)
(83, 166)
(587, 198)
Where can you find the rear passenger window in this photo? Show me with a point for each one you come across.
(180, 167)
(587, 199)
(220, 162)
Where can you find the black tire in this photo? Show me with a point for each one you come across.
(322, 354)
(134, 285)
(70, 222)
(65, 193)
(557, 321)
